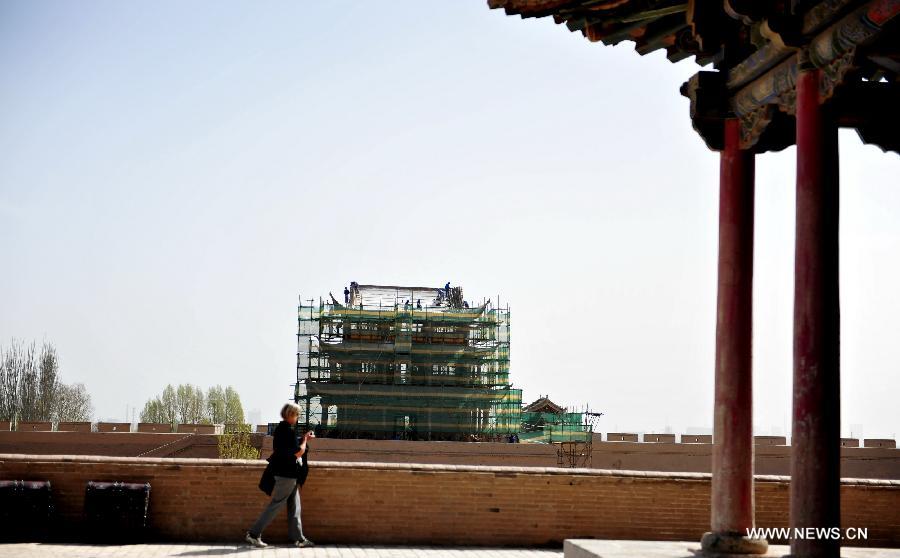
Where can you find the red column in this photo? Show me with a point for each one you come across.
(815, 443)
(732, 464)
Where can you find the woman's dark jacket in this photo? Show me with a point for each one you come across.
(284, 446)
(283, 461)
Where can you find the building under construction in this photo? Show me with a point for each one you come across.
(406, 363)
(572, 432)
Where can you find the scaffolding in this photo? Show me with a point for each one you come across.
(572, 432)
(413, 363)
(553, 428)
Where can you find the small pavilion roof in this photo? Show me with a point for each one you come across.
(543, 405)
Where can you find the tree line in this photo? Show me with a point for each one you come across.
(31, 388)
(188, 404)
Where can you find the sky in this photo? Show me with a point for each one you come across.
(174, 175)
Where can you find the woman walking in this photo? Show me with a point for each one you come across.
(288, 465)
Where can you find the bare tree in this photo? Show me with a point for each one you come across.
(9, 382)
(48, 381)
(28, 384)
(31, 389)
(21, 389)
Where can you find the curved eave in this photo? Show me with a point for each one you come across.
(651, 25)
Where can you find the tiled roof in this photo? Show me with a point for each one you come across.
(757, 49)
(542, 403)
(651, 24)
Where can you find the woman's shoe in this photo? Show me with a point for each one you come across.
(305, 543)
(255, 541)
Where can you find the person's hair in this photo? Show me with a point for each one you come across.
(290, 409)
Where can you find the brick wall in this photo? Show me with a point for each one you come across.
(161, 428)
(114, 427)
(659, 438)
(621, 437)
(770, 440)
(379, 503)
(880, 443)
(121, 444)
(200, 428)
(36, 426)
(875, 463)
(73, 427)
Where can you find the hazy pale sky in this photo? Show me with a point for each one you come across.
(173, 175)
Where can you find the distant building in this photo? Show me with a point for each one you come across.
(545, 421)
(405, 363)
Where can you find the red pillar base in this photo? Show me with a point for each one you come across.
(732, 543)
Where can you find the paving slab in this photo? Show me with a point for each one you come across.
(40, 550)
(593, 548)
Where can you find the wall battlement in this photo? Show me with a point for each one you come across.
(857, 462)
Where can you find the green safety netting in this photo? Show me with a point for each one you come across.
(554, 427)
(368, 370)
(382, 369)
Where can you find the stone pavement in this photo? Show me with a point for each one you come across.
(574, 549)
(35, 550)
(595, 548)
